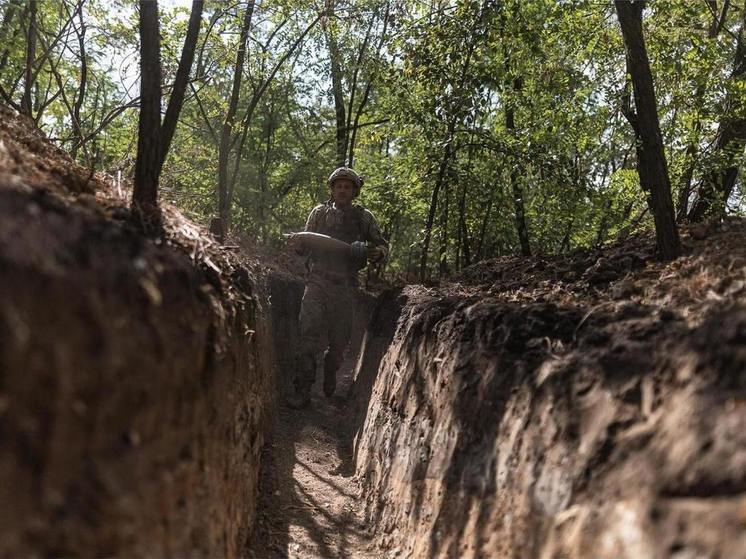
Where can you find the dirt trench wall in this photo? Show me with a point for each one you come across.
(530, 430)
(134, 385)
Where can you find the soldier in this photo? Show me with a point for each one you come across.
(329, 296)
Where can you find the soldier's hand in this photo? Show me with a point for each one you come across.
(376, 254)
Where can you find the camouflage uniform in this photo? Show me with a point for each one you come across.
(329, 298)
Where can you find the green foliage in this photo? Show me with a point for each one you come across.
(433, 84)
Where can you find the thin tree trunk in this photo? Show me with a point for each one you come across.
(366, 95)
(26, 102)
(76, 119)
(463, 249)
(339, 100)
(256, 97)
(221, 227)
(443, 251)
(264, 177)
(147, 167)
(447, 152)
(181, 80)
(717, 186)
(462, 237)
(565, 243)
(519, 205)
(690, 161)
(447, 147)
(485, 221)
(353, 85)
(651, 164)
(690, 155)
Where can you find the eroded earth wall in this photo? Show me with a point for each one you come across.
(502, 426)
(134, 376)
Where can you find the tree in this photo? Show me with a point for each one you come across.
(147, 166)
(220, 226)
(651, 159)
(718, 18)
(181, 80)
(28, 82)
(153, 137)
(458, 85)
(477, 139)
(717, 185)
(339, 101)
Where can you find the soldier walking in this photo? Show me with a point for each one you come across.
(329, 297)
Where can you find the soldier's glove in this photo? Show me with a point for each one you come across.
(376, 254)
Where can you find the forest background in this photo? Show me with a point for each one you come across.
(482, 127)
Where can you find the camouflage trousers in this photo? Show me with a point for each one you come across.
(325, 324)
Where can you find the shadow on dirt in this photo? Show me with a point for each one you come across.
(309, 503)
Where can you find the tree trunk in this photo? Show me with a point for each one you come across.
(353, 87)
(181, 80)
(463, 243)
(221, 226)
(77, 126)
(603, 226)
(448, 145)
(463, 251)
(366, 95)
(339, 100)
(254, 101)
(690, 155)
(651, 163)
(26, 102)
(690, 160)
(443, 270)
(147, 167)
(519, 206)
(8, 14)
(447, 152)
(264, 176)
(483, 228)
(717, 186)
(564, 245)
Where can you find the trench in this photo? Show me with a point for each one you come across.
(310, 499)
(471, 424)
(582, 406)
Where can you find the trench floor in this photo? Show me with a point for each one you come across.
(310, 505)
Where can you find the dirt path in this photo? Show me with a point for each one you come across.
(310, 504)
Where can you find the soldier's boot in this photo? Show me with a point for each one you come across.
(330, 374)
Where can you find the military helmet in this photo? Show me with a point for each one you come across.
(346, 173)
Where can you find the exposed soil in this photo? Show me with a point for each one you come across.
(589, 406)
(134, 371)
